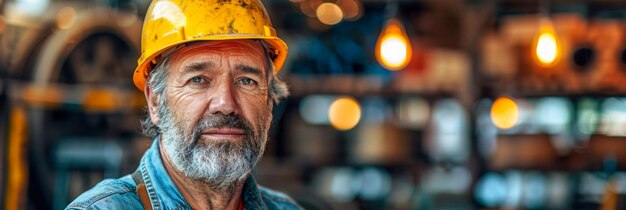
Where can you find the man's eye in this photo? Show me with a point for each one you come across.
(247, 81)
(198, 80)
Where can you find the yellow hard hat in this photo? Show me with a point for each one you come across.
(169, 23)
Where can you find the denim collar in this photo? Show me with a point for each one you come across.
(164, 194)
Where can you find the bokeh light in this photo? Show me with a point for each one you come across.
(31, 7)
(329, 13)
(375, 110)
(588, 116)
(413, 112)
(374, 183)
(534, 190)
(314, 109)
(333, 183)
(613, 119)
(505, 113)
(344, 113)
(393, 48)
(553, 114)
(352, 9)
(546, 45)
(491, 190)
(66, 17)
(452, 180)
(307, 9)
(449, 131)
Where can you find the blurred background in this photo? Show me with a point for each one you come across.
(399, 104)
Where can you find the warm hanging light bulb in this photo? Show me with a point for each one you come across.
(546, 45)
(393, 48)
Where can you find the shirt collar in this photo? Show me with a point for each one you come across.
(251, 196)
(167, 195)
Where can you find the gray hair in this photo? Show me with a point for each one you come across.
(156, 82)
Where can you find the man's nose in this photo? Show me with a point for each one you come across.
(223, 99)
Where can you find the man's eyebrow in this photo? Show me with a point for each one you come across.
(197, 66)
(249, 70)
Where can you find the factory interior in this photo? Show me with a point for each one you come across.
(394, 104)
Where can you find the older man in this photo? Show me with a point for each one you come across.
(208, 73)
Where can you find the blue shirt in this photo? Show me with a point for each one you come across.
(120, 193)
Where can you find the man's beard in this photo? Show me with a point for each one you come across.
(218, 163)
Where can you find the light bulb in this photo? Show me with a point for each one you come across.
(546, 46)
(393, 48)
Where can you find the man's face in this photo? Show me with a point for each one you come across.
(217, 110)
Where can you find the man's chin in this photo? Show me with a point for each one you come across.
(220, 173)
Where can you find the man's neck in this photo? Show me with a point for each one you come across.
(199, 194)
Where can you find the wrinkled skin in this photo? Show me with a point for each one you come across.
(217, 100)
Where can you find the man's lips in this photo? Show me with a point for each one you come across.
(224, 133)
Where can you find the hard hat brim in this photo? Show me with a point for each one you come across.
(277, 45)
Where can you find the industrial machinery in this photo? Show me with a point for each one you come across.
(65, 69)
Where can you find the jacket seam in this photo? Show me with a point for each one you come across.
(254, 197)
(151, 192)
(276, 198)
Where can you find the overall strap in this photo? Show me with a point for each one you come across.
(141, 191)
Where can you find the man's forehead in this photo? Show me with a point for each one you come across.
(251, 50)
(252, 46)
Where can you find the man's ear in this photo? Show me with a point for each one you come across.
(153, 104)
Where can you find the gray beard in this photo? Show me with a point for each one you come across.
(221, 164)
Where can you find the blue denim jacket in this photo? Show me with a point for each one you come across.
(120, 193)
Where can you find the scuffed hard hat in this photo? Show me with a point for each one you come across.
(171, 23)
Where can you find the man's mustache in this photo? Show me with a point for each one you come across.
(222, 121)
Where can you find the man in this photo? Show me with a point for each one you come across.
(207, 70)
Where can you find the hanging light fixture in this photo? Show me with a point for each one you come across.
(546, 46)
(393, 48)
